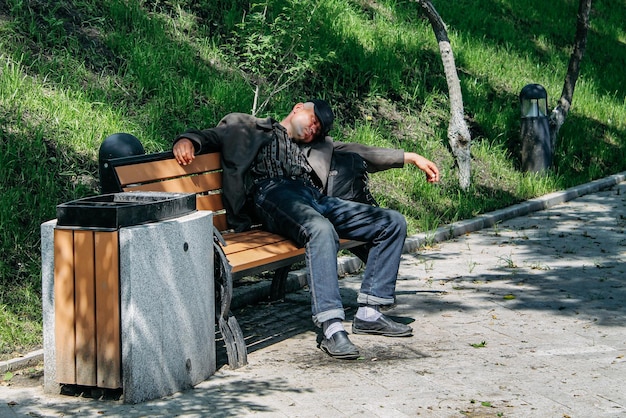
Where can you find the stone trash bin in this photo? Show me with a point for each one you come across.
(128, 295)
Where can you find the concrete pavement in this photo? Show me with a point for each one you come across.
(518, 313)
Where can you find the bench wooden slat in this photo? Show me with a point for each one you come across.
(255, 233)
(219, 222)
(164, 169)
(211, 202)
(263, 255)
(237, 241)
(192, 184)
(250, 239)
(250, 249)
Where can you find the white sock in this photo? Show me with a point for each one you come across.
(332, 326)
(368, 313)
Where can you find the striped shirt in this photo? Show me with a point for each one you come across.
(282, 158)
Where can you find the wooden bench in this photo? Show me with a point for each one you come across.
(243, 253)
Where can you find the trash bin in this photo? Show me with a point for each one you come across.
(128, 294)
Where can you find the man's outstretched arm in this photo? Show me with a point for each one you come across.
(428, 167)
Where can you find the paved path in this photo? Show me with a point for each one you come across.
(523, 319)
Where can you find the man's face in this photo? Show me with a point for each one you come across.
(305, 126)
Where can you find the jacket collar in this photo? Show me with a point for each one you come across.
(266, 124)
(319, 154)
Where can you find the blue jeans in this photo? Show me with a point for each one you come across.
(316, 222)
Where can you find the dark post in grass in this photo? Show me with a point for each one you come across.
(535, 129)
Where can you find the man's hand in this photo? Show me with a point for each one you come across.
(184, 152)
(428, 167)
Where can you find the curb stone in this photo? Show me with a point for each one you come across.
(490, 219)
(28, 360)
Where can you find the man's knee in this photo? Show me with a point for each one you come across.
(321, 227)
(397, 221)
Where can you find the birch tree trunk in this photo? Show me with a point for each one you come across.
(458, 133)
(558, 115)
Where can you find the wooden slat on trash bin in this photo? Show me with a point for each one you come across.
(108, 327)
(85, 300)
(64, 333)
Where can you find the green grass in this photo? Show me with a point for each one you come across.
(75, 71)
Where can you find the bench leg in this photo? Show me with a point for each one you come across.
(279, 280)
(234, 341)
(362, 251)
(229, 327)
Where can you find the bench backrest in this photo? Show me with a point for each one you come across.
(161, 173)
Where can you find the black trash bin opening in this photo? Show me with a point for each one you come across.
(116, 210)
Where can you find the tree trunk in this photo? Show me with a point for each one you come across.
(458, 132)
(557, 118)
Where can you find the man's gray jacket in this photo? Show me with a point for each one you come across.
(239, 137)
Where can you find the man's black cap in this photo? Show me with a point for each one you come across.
(324, 113)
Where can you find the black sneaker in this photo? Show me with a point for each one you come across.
(339, 346)
(382, 326)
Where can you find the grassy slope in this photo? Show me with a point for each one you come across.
(74, 71)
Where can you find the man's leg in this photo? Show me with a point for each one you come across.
(290, 209)
(385, 231)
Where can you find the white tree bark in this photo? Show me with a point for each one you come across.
(458, 132)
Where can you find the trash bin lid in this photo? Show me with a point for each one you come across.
(116, 210)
